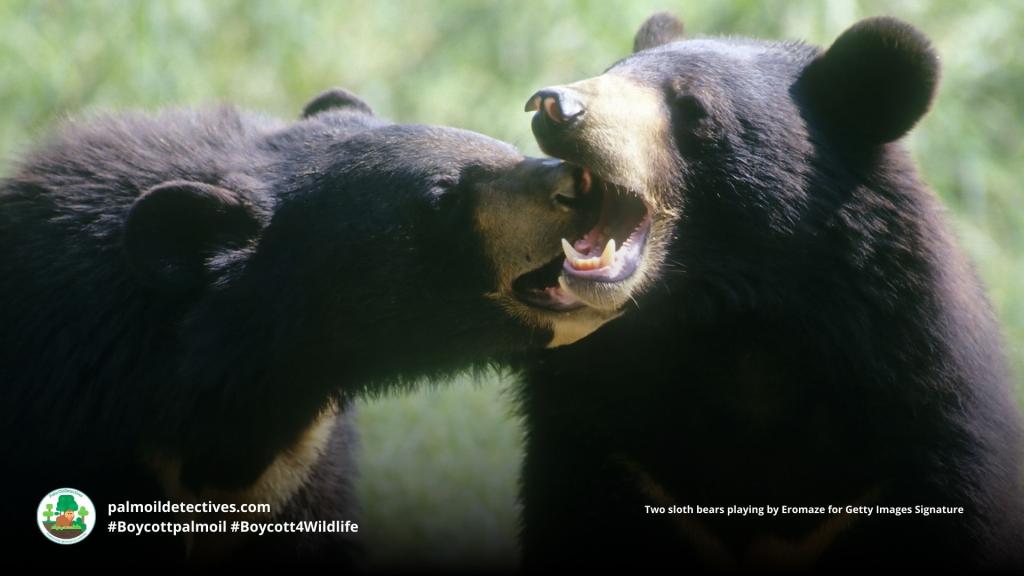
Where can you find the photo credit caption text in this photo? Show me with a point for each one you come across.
(769, 510)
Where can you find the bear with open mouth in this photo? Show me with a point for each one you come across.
(192, 299)
(800, 328)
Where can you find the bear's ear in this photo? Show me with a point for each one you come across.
(336, 99)
(660, 28)
(173, 228)
(875, 81)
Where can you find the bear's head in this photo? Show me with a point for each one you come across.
(411, 248)
(728, 161)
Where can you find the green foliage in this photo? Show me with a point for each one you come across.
(66, 502)
(48, 513)
(439, 467)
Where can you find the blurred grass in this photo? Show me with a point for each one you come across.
(439, 466)
(439, 471)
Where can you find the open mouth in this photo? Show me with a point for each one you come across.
(541, 288)
(609, 252)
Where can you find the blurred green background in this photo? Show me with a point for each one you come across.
(439, 467)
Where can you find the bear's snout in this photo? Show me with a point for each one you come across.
(560, 105)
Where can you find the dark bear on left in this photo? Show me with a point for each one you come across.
(190, 300)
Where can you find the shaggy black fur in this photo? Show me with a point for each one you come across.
(815, 338)
(195, 287)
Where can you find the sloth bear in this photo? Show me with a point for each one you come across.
(805, 331)
(191, 300)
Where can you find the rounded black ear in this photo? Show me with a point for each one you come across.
(173, 228)
(336, 99)
(660, 28)
(875, 81)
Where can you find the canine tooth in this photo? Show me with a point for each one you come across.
(608, 256)
(570, 252)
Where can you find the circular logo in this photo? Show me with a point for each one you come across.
(66, 516)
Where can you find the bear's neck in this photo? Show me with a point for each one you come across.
(252, 389)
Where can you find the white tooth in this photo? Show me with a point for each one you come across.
(608, 256)
(570, 252)
(576, 260)
(567, 248)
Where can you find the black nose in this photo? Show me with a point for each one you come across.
(560, 105)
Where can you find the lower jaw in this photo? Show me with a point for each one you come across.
(549, 302)
(570, 327)
(595, 289)
(567, 324)
(601, 291)
(576, 292)
(605, 296)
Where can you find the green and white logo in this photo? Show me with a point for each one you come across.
(66, 516)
